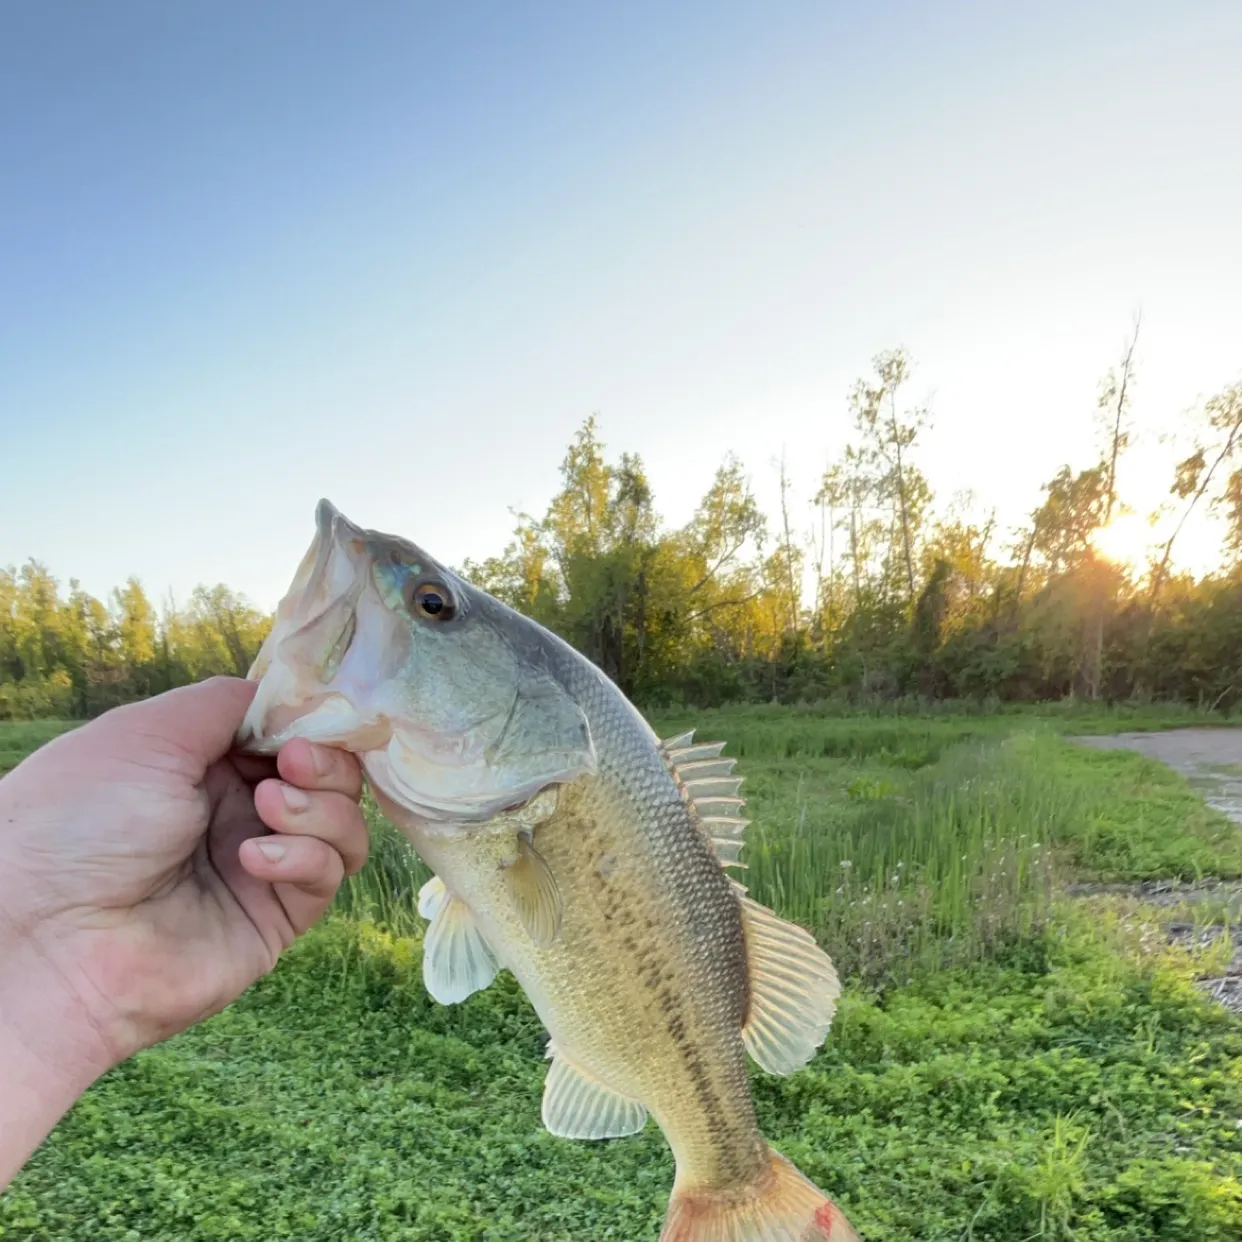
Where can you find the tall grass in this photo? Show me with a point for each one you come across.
(894, 871)
(385, 891)
(947, 870)
(19, 738)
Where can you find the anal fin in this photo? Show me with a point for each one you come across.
(577, 1106)
(793, 991)
(456, 959)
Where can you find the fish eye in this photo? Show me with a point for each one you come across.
(432, 601)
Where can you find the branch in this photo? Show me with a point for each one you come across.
(717, 567)
(722, 603)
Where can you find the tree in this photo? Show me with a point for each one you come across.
(888, 439)
(726, 523)
(907, 597)
(1073, 510)
(1113, 406)
(790, 558)
(1195, 475)
(1116, 419)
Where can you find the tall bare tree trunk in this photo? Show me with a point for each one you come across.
(1022, 571)
(856, 568)
(1118, 438)
(789, 565)
(901, 497)
(832, 568)
(818, 542)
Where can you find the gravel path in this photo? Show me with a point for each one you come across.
(1211, 760)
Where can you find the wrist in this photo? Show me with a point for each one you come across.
(34, 1096)
(48, 1057)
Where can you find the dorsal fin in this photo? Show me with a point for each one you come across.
(702, 769)
(692, 754)
(676, 743)
(712, 790)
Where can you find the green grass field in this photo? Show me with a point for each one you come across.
(1006, 1064)
(18, 740)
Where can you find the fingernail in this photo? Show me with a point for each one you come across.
(295, 799)
(321, 760)
(273, 851)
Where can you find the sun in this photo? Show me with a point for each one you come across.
(1128, 541)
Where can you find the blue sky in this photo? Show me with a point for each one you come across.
(395, 253)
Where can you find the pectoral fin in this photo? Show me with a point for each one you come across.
(533, 890)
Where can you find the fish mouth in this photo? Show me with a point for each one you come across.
(314, 628)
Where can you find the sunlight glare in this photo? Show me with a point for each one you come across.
(1127, 541)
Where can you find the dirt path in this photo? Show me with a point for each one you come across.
(1211, 760)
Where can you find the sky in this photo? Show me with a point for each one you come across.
(394, 254)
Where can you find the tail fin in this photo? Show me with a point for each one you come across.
(781, 1206)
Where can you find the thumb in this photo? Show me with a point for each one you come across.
(199, 721)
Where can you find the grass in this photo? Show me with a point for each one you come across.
(1084, 1092)
(18, 739)
(917, 843)
(1005, 1065)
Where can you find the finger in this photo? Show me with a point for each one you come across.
(332, 817)
(304, 872)
(253, 768)
(194, 723)
(320, 767)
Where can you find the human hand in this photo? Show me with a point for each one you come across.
(140, 890)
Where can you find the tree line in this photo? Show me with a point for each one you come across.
(882, 594)
(71, 656)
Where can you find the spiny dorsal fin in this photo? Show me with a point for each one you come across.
(699, 769)
(793, 991)
(712, 786)
(456, 959)
(675, 743)
(692, 754)
(712, 789)
(578, 1106)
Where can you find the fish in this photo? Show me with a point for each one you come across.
(573, 847)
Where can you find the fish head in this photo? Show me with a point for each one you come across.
(380, 649)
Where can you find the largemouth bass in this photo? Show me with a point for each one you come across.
(572, 847)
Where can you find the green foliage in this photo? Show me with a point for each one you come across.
(941, 835)
(73, 657)
(1020, 1069)
(337, 1101)
(907, 599)
(1135, 818)
(18, 740)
